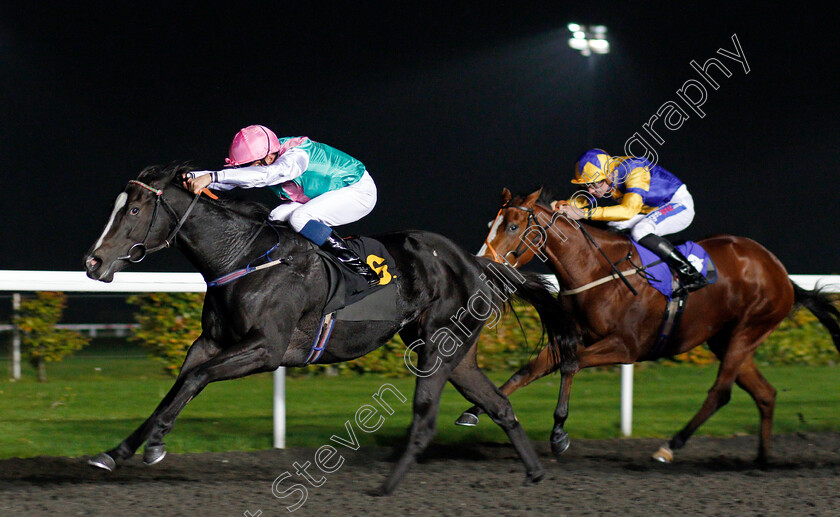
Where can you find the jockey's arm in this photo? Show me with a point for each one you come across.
(637, 183)
(287, 166)
(630, 206)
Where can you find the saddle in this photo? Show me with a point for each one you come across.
(347, 290)
(662, 278)
(350, 298)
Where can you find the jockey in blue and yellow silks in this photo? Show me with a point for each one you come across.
(651, 202)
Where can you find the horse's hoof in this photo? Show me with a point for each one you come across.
(467, 419)
(103, 461)
(560, 443)
(154, 454)
(377, 492)
(532, 478)
(664, 455)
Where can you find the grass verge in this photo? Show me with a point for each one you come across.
(91, 403)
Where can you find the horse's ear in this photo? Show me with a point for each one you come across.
(532, 198)
(506, 196)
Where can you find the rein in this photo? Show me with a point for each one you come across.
(615, 269)
(249, 268)
(140, 247)
(138, 251)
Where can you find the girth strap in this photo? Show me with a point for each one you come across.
(321, 338)
(670, 322)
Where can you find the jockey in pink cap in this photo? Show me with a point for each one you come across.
(320, 186)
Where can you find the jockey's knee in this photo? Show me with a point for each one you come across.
(642, 229)
(283, 212)
(299, 218)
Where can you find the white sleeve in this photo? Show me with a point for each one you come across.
(288, 166)
(213, 185)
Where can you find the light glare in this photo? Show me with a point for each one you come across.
(577, 44)
(589, 39)
(599, 46)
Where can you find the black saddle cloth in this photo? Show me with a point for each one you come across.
(349, 295)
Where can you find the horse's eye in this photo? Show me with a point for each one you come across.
(134, 210)
(513, 228)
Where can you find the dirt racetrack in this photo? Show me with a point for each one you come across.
(711, 476)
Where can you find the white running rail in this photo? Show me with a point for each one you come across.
(128, 282)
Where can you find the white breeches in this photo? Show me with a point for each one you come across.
(333, 208)
(670, 218)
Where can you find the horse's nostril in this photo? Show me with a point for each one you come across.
(93, 263)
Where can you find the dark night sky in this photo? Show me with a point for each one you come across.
(445, 104)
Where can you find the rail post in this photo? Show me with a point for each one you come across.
(15, 365)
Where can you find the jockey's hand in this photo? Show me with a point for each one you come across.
(556, 204)
(573, 213)
(195, 185)
(569, 211)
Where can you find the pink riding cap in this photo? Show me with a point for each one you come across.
(251, 144)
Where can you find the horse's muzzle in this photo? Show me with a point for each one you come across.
(94, 269)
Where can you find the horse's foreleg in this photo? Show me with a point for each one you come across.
(202, 350)
(559, 437)
(251, 355)
(606, 351)
(474, 385)
(538, 367)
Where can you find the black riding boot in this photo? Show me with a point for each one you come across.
(690, 278)
(334, 245)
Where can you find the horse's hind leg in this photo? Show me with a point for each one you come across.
(471, 382)
(734, 352)
(427, 395)
(538, 367)
(764, 395)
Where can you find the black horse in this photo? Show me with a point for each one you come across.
(268, 318)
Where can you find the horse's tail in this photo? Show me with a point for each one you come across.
(820, 305)
(534, 289)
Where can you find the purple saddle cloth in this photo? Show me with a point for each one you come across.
(660, 277)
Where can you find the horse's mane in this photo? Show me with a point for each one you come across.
(163, 175)
(545, 199)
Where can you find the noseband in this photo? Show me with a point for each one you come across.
(139, 248)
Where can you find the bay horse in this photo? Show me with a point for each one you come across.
(268, 319)
(751, 297)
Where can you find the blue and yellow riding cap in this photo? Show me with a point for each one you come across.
(591, 166)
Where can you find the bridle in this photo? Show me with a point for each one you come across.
(534, 221)
(139, 248)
